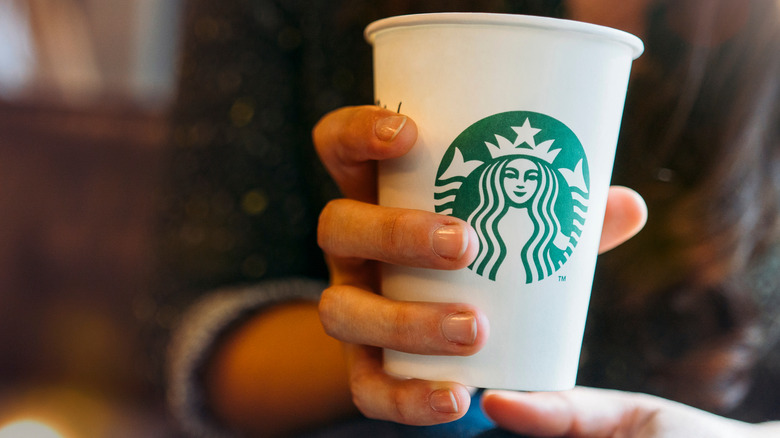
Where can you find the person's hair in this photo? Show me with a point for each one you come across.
(700, 143)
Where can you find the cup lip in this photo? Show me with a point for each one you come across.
(481, 18)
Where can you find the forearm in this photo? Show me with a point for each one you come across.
(279, 371)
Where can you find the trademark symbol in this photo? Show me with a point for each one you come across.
(561, 278)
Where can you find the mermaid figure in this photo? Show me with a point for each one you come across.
(518, 182)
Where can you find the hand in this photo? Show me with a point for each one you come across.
(355, 235)
(591, 413)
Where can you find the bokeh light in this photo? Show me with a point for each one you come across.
(28, 428)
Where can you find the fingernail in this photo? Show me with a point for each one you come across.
(460, 328)
(450, 242)
(444, 401)
(388, 128)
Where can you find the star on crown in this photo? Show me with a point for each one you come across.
(524, 144)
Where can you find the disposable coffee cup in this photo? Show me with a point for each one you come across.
(518, 120)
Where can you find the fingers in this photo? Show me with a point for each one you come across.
(408, 401)
(594, 413)
(357, 316)
(423, 239)
(582, 412)
(404, 237)
(625, 216)
(349, 140)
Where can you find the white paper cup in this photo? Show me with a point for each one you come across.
(518, 119)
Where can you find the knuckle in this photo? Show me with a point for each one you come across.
(317, 135)
(401, 324)
(327, 312)
(360, 403)
(322, 131)
(360, 397)
(355, 137)
(361, 406)
(393, 233)
(325, 224)
(399, 406)
(399, 402)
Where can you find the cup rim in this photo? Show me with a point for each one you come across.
(480, 18)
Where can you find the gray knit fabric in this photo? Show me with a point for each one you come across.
(196, 335)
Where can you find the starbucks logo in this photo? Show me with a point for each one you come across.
(521, 179)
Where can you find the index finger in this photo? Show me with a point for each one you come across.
(350, 140)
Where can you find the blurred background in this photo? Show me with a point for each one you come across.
(85, 91)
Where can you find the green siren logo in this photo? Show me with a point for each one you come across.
(521, 179)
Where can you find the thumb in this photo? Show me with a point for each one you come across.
(599, 413)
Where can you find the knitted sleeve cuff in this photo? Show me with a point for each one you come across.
(197, 334)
